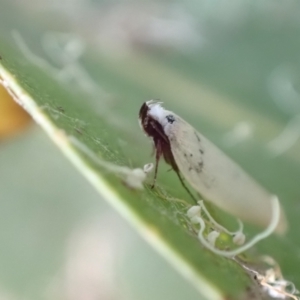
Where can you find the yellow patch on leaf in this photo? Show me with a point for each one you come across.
(13, 118)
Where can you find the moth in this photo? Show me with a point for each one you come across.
(213, 175)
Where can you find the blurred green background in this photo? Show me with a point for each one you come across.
(230, 68)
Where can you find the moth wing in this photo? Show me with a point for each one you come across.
(217, 178)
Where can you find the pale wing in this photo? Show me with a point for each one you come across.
(217, 178)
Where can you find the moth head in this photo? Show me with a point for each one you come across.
(156, 111)
(162, 116)
(147, 111)
(152, 119)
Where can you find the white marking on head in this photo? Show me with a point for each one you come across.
(158, 113)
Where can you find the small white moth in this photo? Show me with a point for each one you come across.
(207, 169)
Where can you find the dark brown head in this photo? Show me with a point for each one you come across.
(150, 126)
(143, 117)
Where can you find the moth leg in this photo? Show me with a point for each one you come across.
(185, 187)
(158, 154)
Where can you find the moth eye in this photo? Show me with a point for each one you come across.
(170, 118)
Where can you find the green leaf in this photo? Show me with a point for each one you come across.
(95, 99)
